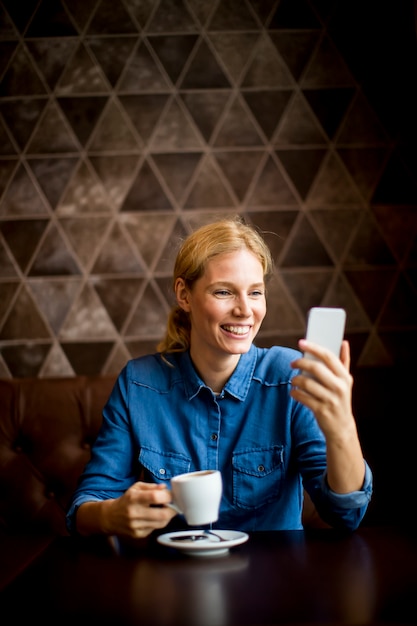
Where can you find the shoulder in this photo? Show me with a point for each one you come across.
(152, 371)
(273, 365)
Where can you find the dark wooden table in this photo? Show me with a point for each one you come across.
(369, 577)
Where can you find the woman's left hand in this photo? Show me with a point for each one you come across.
(324, 385)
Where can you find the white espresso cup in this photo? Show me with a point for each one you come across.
(197, 496)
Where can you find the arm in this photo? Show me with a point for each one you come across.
(328, 393)
(110, 497)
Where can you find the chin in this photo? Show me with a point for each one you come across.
(241, 348)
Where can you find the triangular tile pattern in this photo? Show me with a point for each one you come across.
(173, 52)
(55, 364)
(54, 298)
(51, 57)
(118, 296)
(83, 193)
(54, 258)
(125, 124)
(168, 253)
(22, 238)
(116, 173)
(24, 320)
(52, 175)
(87, 319)
(22, 198)
(142, 73)
(111, 54)
(7, 268)
(81, 75)
(6, 145)
(20, 117)
(85, 235)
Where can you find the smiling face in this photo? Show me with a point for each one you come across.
(226, 305)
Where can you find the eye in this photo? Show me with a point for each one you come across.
(257, 293)
(222, 293)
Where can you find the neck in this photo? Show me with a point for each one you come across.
(216, 373)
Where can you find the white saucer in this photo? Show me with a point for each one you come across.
(209, 546)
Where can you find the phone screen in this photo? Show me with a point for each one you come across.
(326, 327)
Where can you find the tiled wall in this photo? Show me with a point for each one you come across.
(126, 123)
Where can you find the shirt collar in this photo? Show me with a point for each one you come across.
(237, 385)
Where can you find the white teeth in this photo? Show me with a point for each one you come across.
(237, 330)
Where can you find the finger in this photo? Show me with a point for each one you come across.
(313, 370)
(142, 486)
(314, 349)
(149, 494)
(308, 400)
(322, 356)
(325, 405)
(345, 354)
(159, 515)
(308, 387)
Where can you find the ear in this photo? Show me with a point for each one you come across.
(182, 295)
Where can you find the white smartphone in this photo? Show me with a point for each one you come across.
(326, 326)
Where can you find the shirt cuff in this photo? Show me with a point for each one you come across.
(353, 498)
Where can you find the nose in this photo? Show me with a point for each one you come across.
(242, 308)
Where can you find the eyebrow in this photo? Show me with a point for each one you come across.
(227, 283)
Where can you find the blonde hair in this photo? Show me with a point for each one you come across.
(224, 236)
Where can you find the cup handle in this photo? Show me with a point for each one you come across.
(174, 506)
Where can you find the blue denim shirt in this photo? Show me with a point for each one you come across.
(161, 419)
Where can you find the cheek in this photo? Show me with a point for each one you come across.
(261, 309)
(207, 314)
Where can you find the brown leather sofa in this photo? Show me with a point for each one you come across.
(47, 427)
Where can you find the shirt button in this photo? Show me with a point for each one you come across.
(162, 470)
(261, 468)
(213, 437)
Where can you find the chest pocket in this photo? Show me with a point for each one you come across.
(257, 476)
(163, 467)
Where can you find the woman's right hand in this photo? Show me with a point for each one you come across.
(135, 514)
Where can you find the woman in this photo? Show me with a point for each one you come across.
(209, 398)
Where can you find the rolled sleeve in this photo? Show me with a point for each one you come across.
(353, 499)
